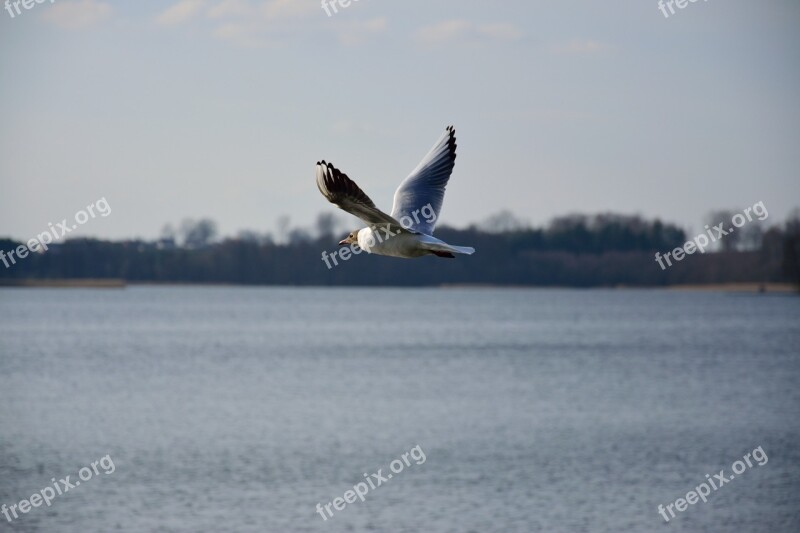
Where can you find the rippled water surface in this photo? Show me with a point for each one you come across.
(241, 409)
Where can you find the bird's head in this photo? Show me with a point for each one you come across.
(351, 239)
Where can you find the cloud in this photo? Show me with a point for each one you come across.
(282, 9)
(266, 23)
(356, 33)
(585, 47)
(459, 30)
(246, 35)
(500, 31)
(180, 12)
(231, 8)
(267, 10)
(77, 15)
(449, 30)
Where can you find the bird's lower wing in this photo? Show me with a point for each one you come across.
(345, 194)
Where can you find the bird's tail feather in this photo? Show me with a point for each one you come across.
(433, 244)
(467, 250)
(444, 247)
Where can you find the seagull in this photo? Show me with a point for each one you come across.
(408, 231)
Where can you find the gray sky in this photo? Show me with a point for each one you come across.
(221, 108)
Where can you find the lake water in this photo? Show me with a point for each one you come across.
(241, 409)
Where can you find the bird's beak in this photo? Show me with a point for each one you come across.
(343, 242)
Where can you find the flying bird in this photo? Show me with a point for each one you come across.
(408, 231)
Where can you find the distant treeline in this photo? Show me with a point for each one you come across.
(577, 251)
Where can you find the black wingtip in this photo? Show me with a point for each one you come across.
(452, 130)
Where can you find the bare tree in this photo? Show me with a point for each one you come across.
(251, 236)
(283, 223)
(751, 235)
(168, 232)
(326, 225)
(299, 236)
(791, 247)
(501, 222)
(197, 234)
(793, 221)
(729, 242)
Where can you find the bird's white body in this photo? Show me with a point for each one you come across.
(383, 241)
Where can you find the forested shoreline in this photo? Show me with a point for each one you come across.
(576, 251)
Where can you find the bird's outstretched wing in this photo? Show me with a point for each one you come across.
(345, 194)
(425, 185)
